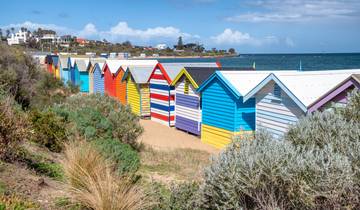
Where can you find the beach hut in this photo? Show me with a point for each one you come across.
(137, 88)
(187, 100)
(224, 114)
(81, 72)
(91, 67)
(113, 85)
(114, 71)
(64, 69)
(98, 78)
(56, 67)
(338, 95)
(48, 62)
(72, 70)
(162, 93)
(282, 98)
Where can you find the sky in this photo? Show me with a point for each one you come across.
(249, 26)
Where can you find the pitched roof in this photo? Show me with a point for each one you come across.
(100, 65)
(244, 81)
(140, 74)
(64, 61)
(82, 64)
(305, 87)
(114, 65)
(196, 75)
(173, 69)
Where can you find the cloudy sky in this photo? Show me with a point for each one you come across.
(250, 26)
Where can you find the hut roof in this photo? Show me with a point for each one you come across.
(305, 87)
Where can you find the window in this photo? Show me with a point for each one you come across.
(277, 91)
(186, 86)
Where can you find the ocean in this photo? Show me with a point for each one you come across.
(309, 62)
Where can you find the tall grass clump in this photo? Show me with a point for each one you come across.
(94, 184)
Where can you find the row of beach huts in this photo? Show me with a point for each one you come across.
(205, 99)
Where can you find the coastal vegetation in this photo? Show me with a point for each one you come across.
(63, 150)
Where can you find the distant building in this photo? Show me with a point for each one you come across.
(51, 38)
(112, 55)
(142, 55)
(161, 46)
(19, 38)
(81, 41)
(90, 54)
(123, 55)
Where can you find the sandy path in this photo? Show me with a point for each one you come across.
(162, 137)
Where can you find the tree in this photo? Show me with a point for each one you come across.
(7, 33)
(232, 51)
(12, 30)
(180, 44)
(1, 34)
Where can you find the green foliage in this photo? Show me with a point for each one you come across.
(18, 74)
(53, 170)
(352, 111)
(14, 127)
(268, 174)
(49, 129)
(49, 91)
(40, 164)
(183, 196)
(15, 202)
(100, 117)
(315, 166)
(125, 158)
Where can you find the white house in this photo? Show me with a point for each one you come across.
(19, 38)
(161, 46)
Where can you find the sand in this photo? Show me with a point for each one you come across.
(164, 138)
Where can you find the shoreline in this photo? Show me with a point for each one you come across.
(192, 56)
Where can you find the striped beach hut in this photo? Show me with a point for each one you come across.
(224, 113)
(137, 88)
(338, 95)
(91, 67)
(82, 74)
(64, 69)
(282, 98)
(98, 78)
(187, 99)
(162, 93)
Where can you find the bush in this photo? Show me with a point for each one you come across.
(100, 117)
(16, 203)
(269, 174)
(183, 196)
(92, 181)
(14, 127)
(50, 129)
(18, 74)
(125, 158)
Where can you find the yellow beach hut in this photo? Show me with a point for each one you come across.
(137, 88)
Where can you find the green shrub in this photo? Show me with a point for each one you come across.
(268, 174)
(15, 202)
(18, 74)
(50, 129)
(14, 127)
(183, 196)
(100, 117)
(352, 111)
(125, 158)
(53, 170)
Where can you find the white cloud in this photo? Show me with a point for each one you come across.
(230, 37)
(299, 10)
(89, 31)
(123, 31)
(34, 26)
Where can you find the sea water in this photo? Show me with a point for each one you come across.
(305, 62)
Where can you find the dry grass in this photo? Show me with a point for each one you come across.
(93, 182)
(173, 165)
